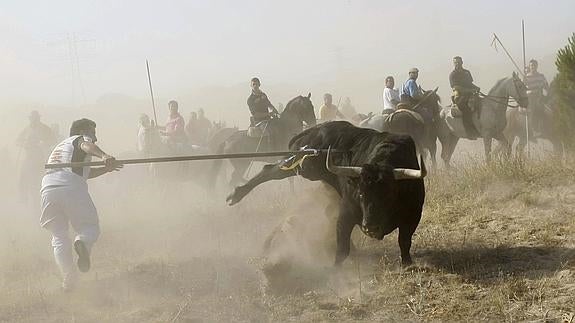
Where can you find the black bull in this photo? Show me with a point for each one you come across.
(377, 176)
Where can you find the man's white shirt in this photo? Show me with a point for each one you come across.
(388, 96)
(68, 151)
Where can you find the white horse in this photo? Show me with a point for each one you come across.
(490, 120)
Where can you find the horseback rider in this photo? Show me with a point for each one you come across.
(536, 83)
(259, 104)
(410, 92)
(390, 96)
(329, 111)
(461, 83)
(174, 132)
(348, 110)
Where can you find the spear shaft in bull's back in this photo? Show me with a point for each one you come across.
(151, 93)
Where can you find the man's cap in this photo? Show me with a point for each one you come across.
(413, 70)
(34, 113)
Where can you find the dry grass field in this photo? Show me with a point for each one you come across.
(496, 243)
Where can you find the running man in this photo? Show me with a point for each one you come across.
(66, 200)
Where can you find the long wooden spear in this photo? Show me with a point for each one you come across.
(151, 92)
(494, 43)
(309, 152)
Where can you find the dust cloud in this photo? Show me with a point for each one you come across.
(171, 250)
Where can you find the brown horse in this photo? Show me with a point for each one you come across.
(289, 123)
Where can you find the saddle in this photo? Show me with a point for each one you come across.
(474, 104)
(260, 129)
(415, 115)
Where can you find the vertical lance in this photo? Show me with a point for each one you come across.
(525, 70)
(151, 93)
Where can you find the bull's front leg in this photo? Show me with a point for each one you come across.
(404, 238)
(345, 224)
(268, 173)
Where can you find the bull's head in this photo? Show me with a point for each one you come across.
(377, 190)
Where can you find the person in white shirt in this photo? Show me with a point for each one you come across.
(390, 96)
(66, 200)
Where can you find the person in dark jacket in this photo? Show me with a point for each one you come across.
(461, 83)
(259, 104)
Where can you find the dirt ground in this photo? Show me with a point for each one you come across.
(496, 243)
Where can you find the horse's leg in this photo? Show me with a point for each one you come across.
(557, 146)
(487, 140)
(422, 150)
(268, 173)
(447, 149)
(444, 142)
(505, 146)
(521, 134)
(553, 136)
(520, 148)
(212, 174)
(432, 147)
(239, 168)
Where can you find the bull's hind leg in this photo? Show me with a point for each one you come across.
(268, 173)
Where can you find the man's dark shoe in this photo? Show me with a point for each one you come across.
(83, 256)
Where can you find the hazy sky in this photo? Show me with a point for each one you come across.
(297, 45)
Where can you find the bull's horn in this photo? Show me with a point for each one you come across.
(408, 173)
(349, 171)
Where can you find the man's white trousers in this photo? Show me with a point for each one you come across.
(63, 206)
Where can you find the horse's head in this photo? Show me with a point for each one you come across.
(302, 109)
(430, 102)
(517, 90)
